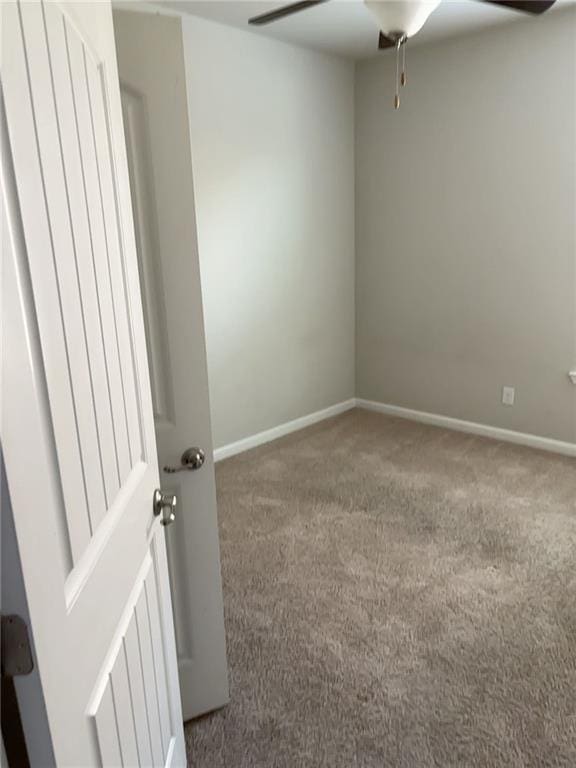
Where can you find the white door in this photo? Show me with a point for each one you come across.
(151, 63)
(77, 424)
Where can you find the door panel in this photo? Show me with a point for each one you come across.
(133, 683)
(140, 165)
(77, 426)
(93, 286)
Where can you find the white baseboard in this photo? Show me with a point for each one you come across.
(283, 429)
(484, 430)
(509, 436)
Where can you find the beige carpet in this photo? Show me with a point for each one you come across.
(396, 596)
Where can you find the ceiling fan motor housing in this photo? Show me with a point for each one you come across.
(401, 18)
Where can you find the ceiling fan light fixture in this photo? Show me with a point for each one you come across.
(401, 16)
(398, 21)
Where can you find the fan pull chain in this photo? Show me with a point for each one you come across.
(396, 94)
(400, 78)
(403, 77)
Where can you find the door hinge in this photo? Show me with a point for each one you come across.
(16, 651)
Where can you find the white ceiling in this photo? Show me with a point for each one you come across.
(346, 27)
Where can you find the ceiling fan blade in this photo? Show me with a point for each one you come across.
(286, 10)
(385, 42)
(527, 6)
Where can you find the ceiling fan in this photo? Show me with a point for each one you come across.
(398, 21)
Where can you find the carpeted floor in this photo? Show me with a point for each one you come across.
(397, 596)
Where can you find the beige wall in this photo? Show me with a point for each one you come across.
(272, 131)
(465, 228)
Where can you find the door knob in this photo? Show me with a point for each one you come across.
(165, 505)
(192, 458)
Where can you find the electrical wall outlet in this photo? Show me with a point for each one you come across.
(508, 394)
(572, 375)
